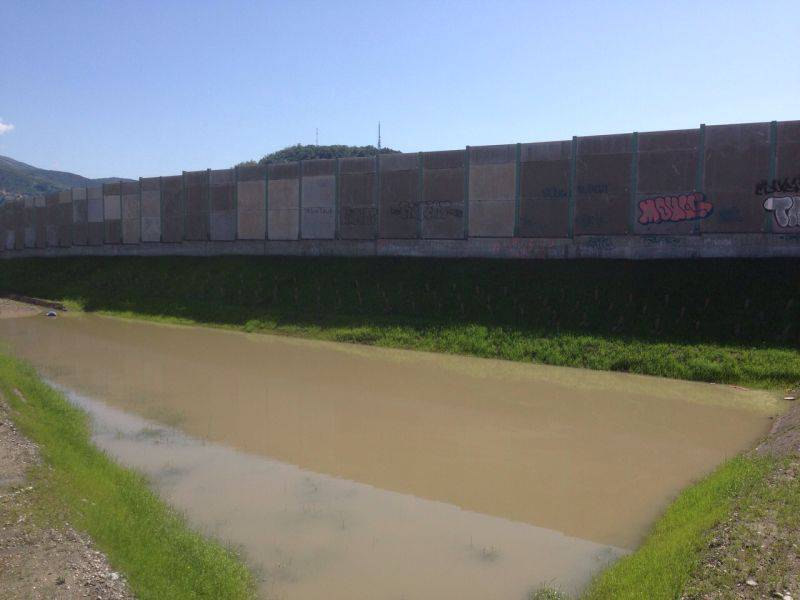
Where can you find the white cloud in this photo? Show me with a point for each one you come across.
(5, 127)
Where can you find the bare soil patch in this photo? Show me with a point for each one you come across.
(38, 562)
(10, 309)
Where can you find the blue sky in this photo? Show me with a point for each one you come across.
(152, 88)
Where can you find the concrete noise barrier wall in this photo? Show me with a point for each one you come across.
(722, 190)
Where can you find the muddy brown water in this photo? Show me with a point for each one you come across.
(345, 471)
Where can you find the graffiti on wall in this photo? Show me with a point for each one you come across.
(440, 210)
(404, 210)
(673, 209)
(592, 188)
(785, 209)
(778, 186)
(358, 216)
(431, 210)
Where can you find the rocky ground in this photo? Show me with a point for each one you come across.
(38, 562)
(756, 552)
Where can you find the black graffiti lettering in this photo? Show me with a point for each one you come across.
(317, 210)
(439, 211)
(554, 192)
(404, 210)
(593, 188)
(358, 216)
(777, 186)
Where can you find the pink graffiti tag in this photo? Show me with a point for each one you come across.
(685, 207)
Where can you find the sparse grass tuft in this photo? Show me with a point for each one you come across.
(548, 593)
(151, 543)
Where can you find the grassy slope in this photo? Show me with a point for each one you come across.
(726, 321)
(152, 544)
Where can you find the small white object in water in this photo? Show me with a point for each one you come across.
(51, 313)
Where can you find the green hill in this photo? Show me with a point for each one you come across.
(18, 180)
(310, 151)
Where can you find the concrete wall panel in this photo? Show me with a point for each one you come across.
(96, 223)
(252, 211)
(780, 196)
(112, 213)
(544, 189)
(30, 223)
(131, 212)
(223, 204)
(283, 215)
(40, 212)
(51, 226)
(283, 223)
(358, 214)
(284, 194)
(666, 199)
(150, 209)
(80, 217)
(196, 208)
(64, 218)
(736, 158)
(7, 224)
(172, 209)
(603, 185)
(320, 166)
(318, 213)
(492, 191)
(251, 201)
(399, 196)
(18, 241)
(443, 195)
(9, 211)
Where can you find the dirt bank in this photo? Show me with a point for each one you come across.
(38, 562)
(12, 308)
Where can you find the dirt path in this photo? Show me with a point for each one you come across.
(42, 562)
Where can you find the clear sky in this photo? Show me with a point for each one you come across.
(146, 88)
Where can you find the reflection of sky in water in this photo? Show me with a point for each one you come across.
(313, 536)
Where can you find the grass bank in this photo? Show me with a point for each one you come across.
(663, 565)
(734, 534)
(727, 321)
(161, 556)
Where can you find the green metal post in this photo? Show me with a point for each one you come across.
(466, 193)
(300, 201)
(336, 224)
(773, 170)
(572, 176)
(700, 175)
(420, 192)
(634, 182)
(517, 187)
(377, 201)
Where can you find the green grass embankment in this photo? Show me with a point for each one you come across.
(663, 564)
(77, 483)
(727, 321)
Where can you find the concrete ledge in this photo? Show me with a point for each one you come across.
(620, 247)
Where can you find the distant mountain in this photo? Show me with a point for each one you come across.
(18, 180)
(308, 152)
